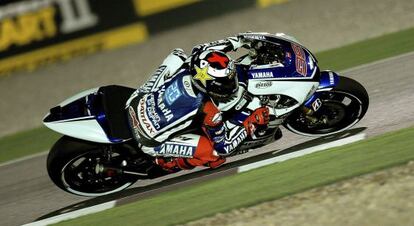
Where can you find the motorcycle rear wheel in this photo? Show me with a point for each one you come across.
(71, 165)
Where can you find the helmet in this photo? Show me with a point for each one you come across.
(213, 73)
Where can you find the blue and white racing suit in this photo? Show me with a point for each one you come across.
(167, 113)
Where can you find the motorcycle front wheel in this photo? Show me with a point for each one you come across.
(342, 107)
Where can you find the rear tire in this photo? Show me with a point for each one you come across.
(70, 166)
(346, 104)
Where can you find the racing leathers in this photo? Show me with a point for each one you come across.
(181, 126)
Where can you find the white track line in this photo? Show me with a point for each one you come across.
(23, 158)
(74, 214)
(303, 152)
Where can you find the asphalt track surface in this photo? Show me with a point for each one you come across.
(318, 24)
(26, 193)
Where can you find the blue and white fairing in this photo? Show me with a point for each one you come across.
(296, 76)
(328, 80)
(298, 62)
(84, 116)
(71, 118)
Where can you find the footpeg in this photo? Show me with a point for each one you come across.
(111, 171)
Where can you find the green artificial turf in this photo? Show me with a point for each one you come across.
(367, 51)
(26, 143)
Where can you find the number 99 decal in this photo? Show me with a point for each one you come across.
(300, 60)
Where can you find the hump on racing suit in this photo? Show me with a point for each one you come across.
(160, 114)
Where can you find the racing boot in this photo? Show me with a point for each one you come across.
(173, 165)
(214, 164)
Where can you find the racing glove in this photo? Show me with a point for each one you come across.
(260, 117)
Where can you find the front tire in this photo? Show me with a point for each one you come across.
(342, 107)
(71, 166)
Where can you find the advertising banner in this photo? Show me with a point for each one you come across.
(38, 32)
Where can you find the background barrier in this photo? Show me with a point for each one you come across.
(38, 32)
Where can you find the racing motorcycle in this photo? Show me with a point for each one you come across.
(97, 155)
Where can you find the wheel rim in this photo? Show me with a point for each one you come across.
(341, 111)
(79, 175)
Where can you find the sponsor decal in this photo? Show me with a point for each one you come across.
(152, 112)
(219, 139)
(161, 105)
(172, 93)
(187, 86)
(331, 78)
(236, 141)
(300, 61)
(263, 85)
(176, 150)
(147, 126)
(260, 37)
(216, 133)
(316, 104)
(211, 44)
(265, 74)
(202, 75)
(133, 117)
(134, 121)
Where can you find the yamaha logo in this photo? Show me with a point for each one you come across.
(263, 85)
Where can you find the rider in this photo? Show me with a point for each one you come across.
(184, 94)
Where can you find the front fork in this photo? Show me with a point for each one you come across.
(328, 80)
(312, 105)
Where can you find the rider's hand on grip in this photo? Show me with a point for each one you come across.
(260, 117)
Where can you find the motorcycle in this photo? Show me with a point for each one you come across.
(97, 155)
